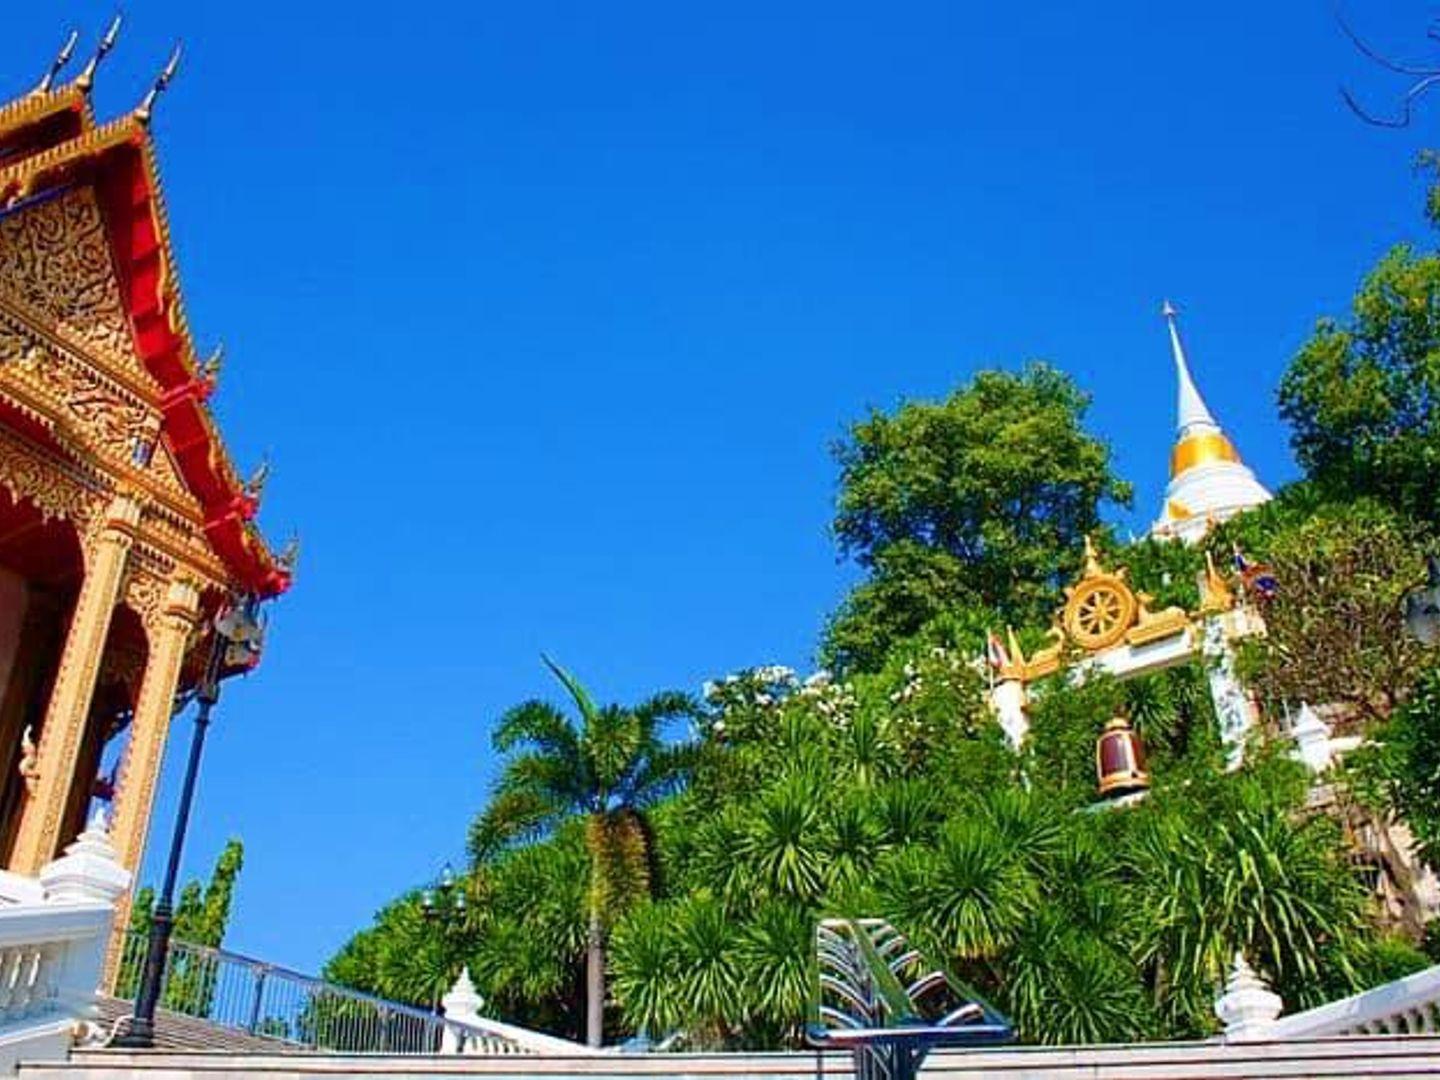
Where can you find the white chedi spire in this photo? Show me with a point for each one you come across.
(1192, 411)
(1208, 481)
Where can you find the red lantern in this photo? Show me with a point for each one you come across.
(1120, 760)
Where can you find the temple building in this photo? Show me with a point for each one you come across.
(1208, 481)
(124, 527)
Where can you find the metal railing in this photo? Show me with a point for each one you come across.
(270, 1002)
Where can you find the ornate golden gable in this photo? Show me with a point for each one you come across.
(1102, 612)
(55, 265)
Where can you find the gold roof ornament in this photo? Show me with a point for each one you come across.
(62, 58)
(1215, 592)
(1100, 607)
(162, 83)
(86, 79)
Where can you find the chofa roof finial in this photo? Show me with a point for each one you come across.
(162, 81)
(58, 64)
(86, 78)
(255, 486)
(290, 556)
(210, 369)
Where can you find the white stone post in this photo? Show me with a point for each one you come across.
(1007, 698)
(1233, 707)
(87, 874)
(1248, 1008)
(1312, 740)
(88, 871)
(462, 1005)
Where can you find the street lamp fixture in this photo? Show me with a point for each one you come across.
(1422, 605)
(235, 646)
(444, 903)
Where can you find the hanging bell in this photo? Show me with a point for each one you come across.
(1120, 760)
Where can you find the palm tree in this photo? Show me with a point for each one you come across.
(608, 767)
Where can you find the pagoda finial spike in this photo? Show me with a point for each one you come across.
(1191, 410)
(162, 82)
(86, 78)
(58, 64)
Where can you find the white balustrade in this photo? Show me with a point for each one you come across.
(1408, 1006)
(1250, 1010)
(467, 1032)
(53, 935)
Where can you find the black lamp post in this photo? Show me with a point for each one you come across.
(1422, 605)
(443, 906)
(236, 642)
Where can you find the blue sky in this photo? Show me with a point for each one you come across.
(547, 312)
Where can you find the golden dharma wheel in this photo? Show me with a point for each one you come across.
(1099, 611)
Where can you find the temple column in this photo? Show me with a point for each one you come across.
(1233, 707)
(169, 633)
(1007, 698)
(107, 551)
(169, 629)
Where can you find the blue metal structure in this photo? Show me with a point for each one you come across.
(882, 1000)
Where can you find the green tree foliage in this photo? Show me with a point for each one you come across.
(1363, 396)
(894, 794)
(202, 915)
(890, 791)
(977, 502)
(1334, 631)
(1083, 925)
(1400, 771)
(607, 769)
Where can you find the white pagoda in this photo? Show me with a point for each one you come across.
(1208, 481)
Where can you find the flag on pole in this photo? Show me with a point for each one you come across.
(995, 652)
(1257, 578)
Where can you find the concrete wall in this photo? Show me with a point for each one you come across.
(1391, 1057)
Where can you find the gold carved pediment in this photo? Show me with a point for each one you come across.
(56, 264)
(97, 417)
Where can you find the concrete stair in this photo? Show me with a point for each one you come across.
(175, 1031)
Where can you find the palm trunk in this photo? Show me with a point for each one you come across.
(595, 983)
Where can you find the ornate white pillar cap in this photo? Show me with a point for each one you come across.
(1312, 739)
(88, 871)
(1248, 1007)
(462, 1000)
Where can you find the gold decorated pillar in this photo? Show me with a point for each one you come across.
(168, 626)
(107, 550)
(169, 633)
